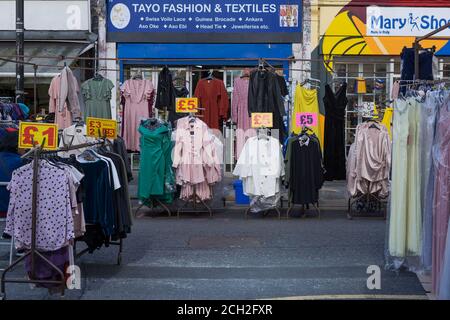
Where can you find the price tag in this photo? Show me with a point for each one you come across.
(186, 105)
(262, 119)
(99, 128)
(32, 134)
(306, 119)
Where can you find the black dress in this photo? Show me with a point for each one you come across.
(306, 172)
(334, 142)
(265, 95)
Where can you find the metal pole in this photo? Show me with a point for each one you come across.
(34, 198)
(416, 60)
(35, 88)
(20, 81)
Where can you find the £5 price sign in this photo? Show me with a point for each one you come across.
(100, 128)
(306, 119)
(32, 134)
(186, 105)
(262, 119)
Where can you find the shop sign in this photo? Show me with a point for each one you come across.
(32, 134)
(220, 21)
(186, 105)
(101, 128)
(406, 21)
(262, 120)
(54, 15)
(306, 119)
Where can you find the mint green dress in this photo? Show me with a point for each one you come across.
(97, 97)
(156, 177)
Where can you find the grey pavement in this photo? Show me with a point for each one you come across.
(229, 257)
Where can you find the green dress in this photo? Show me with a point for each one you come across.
(97, 96)
(156, 177)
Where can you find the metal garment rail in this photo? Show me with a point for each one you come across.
(417, 47)
(37, 153)
(35, 67)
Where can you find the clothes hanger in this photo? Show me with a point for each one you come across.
(210, 75)
(89, 155)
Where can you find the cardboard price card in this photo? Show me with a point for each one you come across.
(101, 128)
(306, 119)
(32, 134)
(262, 120)
(186, 105)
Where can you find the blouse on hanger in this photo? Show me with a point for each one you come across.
(54, 228)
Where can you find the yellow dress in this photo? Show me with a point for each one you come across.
(306, 100)
(387, 120)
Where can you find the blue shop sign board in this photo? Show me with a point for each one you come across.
(203, 21)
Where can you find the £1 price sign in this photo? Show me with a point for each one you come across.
(32, 134)
(306, 119)
(101, 128)
(186, 105)
(262, 119)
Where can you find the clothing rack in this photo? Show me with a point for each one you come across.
(291, 206)
(35, 68)
(37, 153)
(149, 203)
(195, 199)
(380, 205)
(417, 47)
(266, 211)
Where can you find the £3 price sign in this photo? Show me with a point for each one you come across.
(306, 119)
(186, 105)
(33, 134)
(100, 128)
(262, 119)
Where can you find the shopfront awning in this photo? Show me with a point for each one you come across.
(45, 54)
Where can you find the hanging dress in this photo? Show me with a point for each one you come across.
(398, 210)
(334, 138)
(427, 130)
(137, 93)
(239, 113)
(441, 203)
(306, 101)
(97, 97)
(156, 178)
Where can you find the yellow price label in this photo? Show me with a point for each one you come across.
(101, 128)
(262, 119)
(33, 134)
(186, 105)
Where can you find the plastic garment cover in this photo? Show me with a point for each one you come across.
(260, 203)
(403, 241)
(405, 219)
(427, 131)
(441, 203)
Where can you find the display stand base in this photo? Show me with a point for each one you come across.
(370, 206)
(315, 205)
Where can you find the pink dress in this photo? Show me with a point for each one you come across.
(239, 113)
(441, 205)
(64, 118)
(195, 159)
(137, 93)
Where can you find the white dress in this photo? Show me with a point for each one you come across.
(398, 209)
